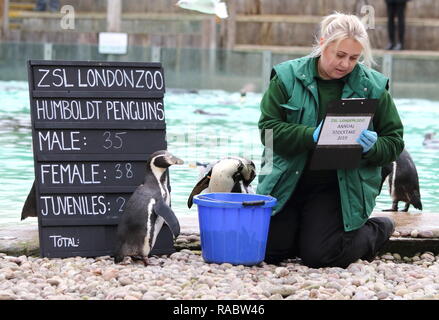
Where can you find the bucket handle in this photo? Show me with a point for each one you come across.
(244, 203)
(253, 203)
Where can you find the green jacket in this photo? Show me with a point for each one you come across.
(292, 123)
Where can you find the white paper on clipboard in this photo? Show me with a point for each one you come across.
(342, 130)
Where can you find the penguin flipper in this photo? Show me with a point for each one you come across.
(413, 197)
(385, 171)
(164, 211)
(29, 207)
(199, 187)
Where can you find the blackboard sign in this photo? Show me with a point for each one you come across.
(94, 125)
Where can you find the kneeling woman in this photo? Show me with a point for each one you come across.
(322, 216)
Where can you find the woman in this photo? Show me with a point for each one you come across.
(322, 216)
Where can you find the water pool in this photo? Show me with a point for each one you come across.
(192, 136)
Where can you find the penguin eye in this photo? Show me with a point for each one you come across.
(161, 162)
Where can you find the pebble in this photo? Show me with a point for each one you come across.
(426, 234)
(281, 271)
(428, 256)
(184, 275)
(382, 295)
(388, 256)
(414, 233)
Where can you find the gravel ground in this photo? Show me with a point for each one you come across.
(184, 275)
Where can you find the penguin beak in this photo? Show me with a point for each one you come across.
(174, 160)
(248, 172)
(192, 165)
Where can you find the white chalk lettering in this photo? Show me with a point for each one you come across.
(158, 80)
(91, 78)
(46, 72)
(80, 84)
(149, 79)
(55, 73)
(59, 141)
(90, 110)
(67, 109)
(110, 78)
(129, 79)
(138, 85)
(66, 242)
(102, 78)
(134, 110)
(73, 205)
(70, 173)
(60, 76)
(44, 171)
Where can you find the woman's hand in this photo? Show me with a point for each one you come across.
(367, 139)
(316, 132)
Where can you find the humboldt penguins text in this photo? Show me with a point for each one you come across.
(80, 110)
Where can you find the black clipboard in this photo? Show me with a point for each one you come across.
(341, 154)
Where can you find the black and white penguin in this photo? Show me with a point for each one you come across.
(232, 174)
(146, 210)
(430, 142)
(403, 182)
(30, 205)
(201, 111)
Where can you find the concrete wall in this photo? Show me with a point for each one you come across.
(415, 8)
(258, 22)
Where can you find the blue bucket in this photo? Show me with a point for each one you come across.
(234, 226)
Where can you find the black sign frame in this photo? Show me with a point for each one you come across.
(94, 125)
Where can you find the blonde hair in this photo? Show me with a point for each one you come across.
(339, 26)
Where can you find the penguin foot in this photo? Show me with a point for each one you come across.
(143, 259)
(118, 259)
(390, 210)
(128, 260)
(123, 260)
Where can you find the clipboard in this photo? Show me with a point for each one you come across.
(344, 121)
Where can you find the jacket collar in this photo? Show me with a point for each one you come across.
(306, 71)
(356, 81)
(359, 82)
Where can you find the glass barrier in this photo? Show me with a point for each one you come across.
(194, 68)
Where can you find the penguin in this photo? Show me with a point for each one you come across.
(146, 210)
(429, 142)
(232, 174)
(201, 111)
(30, 205)
(203, 168)
(248, 87)
(182, 91)
(403, 182)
